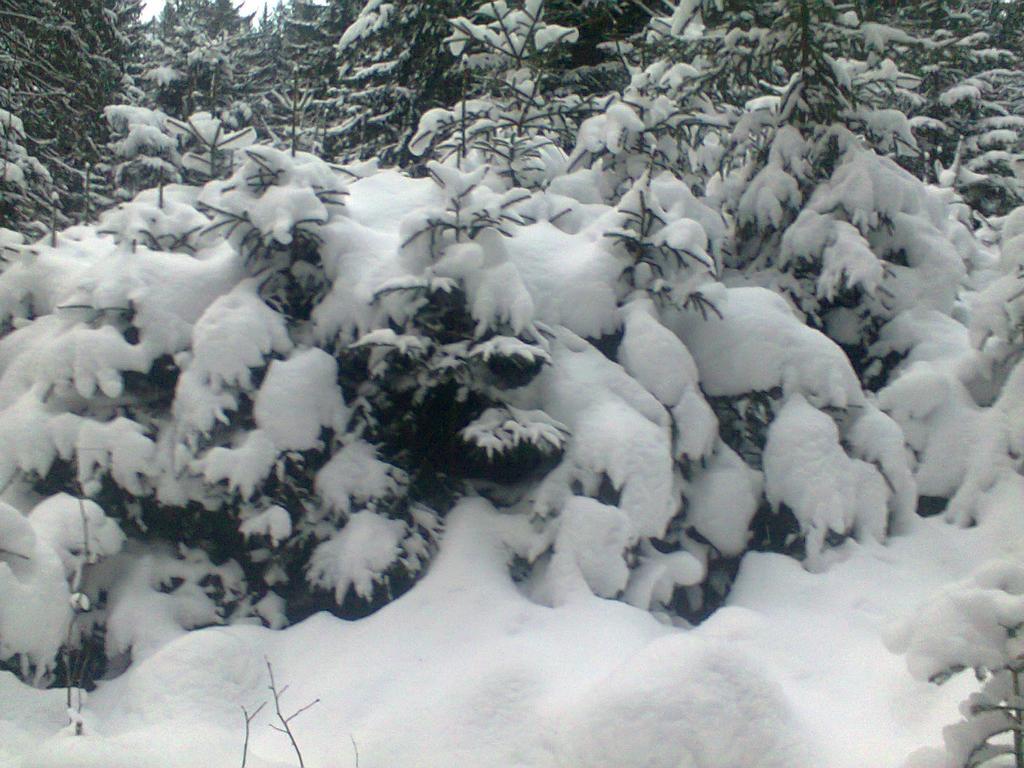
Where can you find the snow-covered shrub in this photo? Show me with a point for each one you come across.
(512, 118)
(458, 332)
(976, 624)
(272, 211)
(656, 123)
(669, 238)
(654, 349)
(997, 310)
(35, 611)
(211, 144)
(256, 370)
(782, 114)
(954, 389)
(176, 401)
(786, 398)
(870, 243)
(48, 562)
(813, 210)
(145, 151)
(161, 219)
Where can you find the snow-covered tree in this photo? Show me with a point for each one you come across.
(145, 150)
(976, 624)
(393, 68)
(25, 184)
(997, 319)
(192, 64)
(463, 334)
(509, 115)
(48, 558)
(60, 65)
(211, 145)
(715, 309)
(967, 119)
(292, 66)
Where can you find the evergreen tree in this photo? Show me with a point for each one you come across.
(974, 624)
(298, 94)
(60, 65)
(192, 65)
(388, 87)
(967, 120)
(510, 115)
(25, 184)
(144, 150)
(262, 59)
(656, 327)
(394, 68)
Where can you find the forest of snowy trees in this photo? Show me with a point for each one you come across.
(651, 287)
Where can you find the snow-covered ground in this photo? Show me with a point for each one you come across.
(465, 671)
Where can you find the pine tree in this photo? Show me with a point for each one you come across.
(394, 68)
(144, 150)
(656, 327)
(191, 67)
(436, 383)
(25, 184)
(510, 115)
(967, 124)
(383, 51)
(60, 65)
(297, 96)
(974, 624)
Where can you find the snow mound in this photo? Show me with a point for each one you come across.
(465, 669)
(176, 683)
(754, 343)
(683, 703)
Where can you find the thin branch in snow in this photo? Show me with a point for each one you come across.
(248, 721)
(285, 728)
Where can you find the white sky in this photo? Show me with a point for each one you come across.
(248, 6)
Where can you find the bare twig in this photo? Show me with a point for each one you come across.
(85, 542)
(248, 721)
(74, 674)
(285, 728)
(355, 748)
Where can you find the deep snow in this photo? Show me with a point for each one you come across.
(465, 670)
